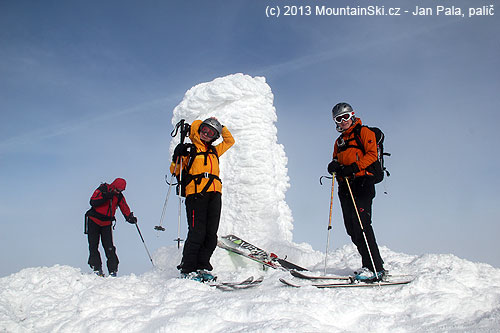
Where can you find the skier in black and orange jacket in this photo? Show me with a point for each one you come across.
(349, 163)
(98, 223)
(203, 190)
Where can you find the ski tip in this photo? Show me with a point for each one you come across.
(259, 279)
(288, 283)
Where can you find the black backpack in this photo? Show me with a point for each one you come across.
(377, 168)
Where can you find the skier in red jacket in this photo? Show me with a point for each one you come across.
(98, 220)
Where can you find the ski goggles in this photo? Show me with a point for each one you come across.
(344, 117)
(208, 131)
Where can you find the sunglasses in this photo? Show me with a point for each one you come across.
(344, 117)
(208, 131)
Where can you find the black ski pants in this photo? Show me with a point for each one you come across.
(203, 215)
(105, 235)
(363, 190)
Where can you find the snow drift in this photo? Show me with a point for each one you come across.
(447, 294)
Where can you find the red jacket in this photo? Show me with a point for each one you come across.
(104, 202)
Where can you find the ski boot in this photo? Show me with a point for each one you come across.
(367, 275)
(99, 272)
(206, 276)
(192, 276)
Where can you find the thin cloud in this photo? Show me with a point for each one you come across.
(355, 48)
(74, 125)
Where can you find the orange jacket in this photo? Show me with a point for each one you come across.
(198, 166)
(354, 155)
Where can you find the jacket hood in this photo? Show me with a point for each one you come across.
(118, 184)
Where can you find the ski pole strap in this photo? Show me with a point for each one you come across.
(183, 127)
(321, 179)
(179, 125)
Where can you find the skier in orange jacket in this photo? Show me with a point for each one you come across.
(349, 163)
(203, 190)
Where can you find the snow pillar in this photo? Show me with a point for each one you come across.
(253, 171)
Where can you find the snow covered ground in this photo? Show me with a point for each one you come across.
(448, 293)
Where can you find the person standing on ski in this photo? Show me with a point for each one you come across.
(202, 187)
(349, 163)
(98, 219)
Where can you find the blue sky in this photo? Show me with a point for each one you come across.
(87, 89)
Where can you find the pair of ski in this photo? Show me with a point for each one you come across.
(349, 281)
(245, 284)
(237, 245)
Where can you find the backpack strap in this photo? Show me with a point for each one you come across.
(93, 213)
(357, 137)
(187, 177)
(344, 145)
(194, 152)
(192, 155)
(103, 188)
(197, 181)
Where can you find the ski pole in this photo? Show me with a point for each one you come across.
(361, 224)
(185, 128)
(159, 227)
(140, 234)
(329, 223)
(179, 240)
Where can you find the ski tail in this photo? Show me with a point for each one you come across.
(301, 275)
(290, 266)
(245, 284)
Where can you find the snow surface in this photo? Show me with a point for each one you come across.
(448, 294)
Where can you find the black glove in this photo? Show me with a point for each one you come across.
(348, 170)
(108, 195)
(333, 167)
(131, 218)
(180, 150)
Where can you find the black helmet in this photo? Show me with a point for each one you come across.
(214, 124)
